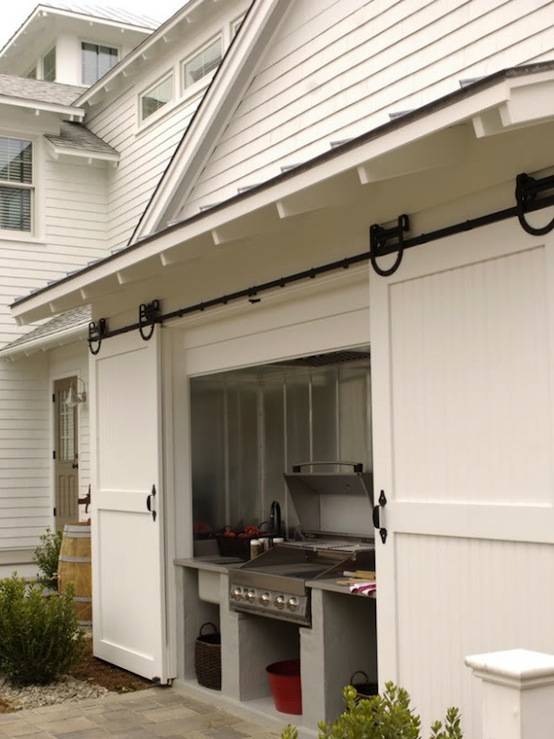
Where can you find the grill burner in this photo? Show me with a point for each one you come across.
(274, 584)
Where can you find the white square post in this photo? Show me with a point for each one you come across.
(518, 693)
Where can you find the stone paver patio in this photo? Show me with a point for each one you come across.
(146, 714)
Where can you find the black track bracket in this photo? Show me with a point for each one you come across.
(149, 316)
(97, 330)
(527, 190)
(380, 239)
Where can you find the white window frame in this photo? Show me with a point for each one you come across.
(42, 58)
(192, 90)
(13, 234)
(96, 43)
(143, 122)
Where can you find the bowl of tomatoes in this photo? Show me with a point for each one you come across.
(235, 542)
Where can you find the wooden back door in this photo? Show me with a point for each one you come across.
(66, 455)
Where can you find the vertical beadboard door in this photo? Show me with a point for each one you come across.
(462, 345)
(127, 510)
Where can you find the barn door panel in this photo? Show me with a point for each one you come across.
(127, 507)
(461, 344)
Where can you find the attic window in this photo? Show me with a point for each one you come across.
(156, 97)
(202, 63)
(96, 61)
(49, 66)
(16, 184)
(32, 74)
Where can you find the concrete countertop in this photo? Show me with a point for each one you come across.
(330, 584)
(209, 564)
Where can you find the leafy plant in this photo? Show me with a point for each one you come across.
(41, 639)
(46, 556)
(389, 716)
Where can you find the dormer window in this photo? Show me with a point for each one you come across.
(49, 66)
(16, 184)
(96, 61)
(158, 95)
(203, 62)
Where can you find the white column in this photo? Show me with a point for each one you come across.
(517, 694)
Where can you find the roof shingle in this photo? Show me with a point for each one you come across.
(78, 138)
(58, 325)
(38, 90)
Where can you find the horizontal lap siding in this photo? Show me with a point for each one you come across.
(72, 213)
(25, 455)
(145, 153)
(336, 69)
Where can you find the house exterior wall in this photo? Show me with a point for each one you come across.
(146, 148)
(335, 70)
(70, 229)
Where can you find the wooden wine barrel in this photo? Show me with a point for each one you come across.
(74, 568)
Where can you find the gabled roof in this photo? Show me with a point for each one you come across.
(231, 80)
(76, 139)
(60, 329)
(38, 90)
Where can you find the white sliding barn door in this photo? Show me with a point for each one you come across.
(462, 347)
(127, 562)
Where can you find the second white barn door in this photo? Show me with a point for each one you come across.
(462, 347)
(127, 510)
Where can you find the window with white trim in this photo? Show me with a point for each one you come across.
(16, 184)
(96, 60)
(49, 66)
(156, 97)
(202, 63)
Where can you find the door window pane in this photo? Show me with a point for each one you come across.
(158, 96)
(202, 63)
(49, 66)
(96, 61)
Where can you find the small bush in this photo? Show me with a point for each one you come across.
(382, 717)
(40, 636)
(46, 556)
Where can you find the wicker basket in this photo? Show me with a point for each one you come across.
(207, 657)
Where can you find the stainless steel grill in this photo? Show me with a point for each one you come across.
(274, 584)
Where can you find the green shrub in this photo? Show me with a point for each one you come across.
(382, 717)
(46, 557)
(40, 635)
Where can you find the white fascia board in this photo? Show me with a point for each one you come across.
(96, 156)
(44, 343)
(136, 54)
(333, 165)
(215, 108)
(64, 110)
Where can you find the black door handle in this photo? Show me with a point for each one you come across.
(377, 517)
(149, 500)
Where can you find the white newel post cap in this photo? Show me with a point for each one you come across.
(517, 693)
(517, 668)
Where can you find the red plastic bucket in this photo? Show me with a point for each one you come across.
(286, 688)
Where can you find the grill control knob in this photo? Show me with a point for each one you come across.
(236, 593)
(292, 604)
(264, 599)
(280, 601)
(251, 595)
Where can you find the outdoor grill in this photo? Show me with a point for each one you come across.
(276, 584)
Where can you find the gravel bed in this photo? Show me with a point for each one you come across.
(67, 689)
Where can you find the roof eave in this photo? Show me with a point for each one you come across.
(460, 107)
(45, 343)
(40, 105)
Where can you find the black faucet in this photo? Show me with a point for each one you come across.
(275, 517)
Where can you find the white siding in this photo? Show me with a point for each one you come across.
(337, 69)
(146, 151)
(71, 207)
(25, 456)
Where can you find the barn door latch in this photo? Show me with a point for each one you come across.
(377, 517)
(150, 503)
